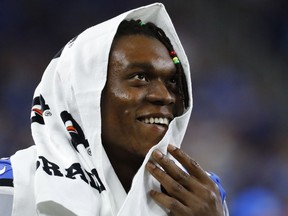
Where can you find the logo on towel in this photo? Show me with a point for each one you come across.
(47, 113)
(39, 107)
(75, 131)
(89, 151)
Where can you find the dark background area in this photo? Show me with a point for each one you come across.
(238, 52)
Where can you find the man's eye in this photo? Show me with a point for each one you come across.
(141, 76)
(173, 80)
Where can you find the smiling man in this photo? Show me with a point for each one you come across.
(140, 93)
(141, 97)
(108, 118)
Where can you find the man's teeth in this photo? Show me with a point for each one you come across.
(151, 120)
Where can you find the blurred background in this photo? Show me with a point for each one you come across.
(238, 52)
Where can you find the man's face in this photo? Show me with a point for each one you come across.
(141, 96)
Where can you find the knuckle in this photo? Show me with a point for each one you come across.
(182, 175)
(177, 188)
(211, 198)
(205, 208)
(158, 172)
(173, 204)
(194, 163)
(215, 188)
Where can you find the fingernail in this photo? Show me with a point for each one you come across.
(157, 154)
(153, 192)
(171, 147)
(151, 165)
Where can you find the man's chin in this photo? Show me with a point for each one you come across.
(146, 150)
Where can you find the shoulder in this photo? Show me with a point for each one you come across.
(6, 187)
(6, 173)
(215, 178)
(217, 181)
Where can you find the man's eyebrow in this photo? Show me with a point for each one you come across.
(145, 65)
(148, 68)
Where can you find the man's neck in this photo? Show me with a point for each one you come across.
(125, 165)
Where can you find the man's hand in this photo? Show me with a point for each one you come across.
(192, 193)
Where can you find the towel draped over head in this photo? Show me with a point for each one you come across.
(67, 171)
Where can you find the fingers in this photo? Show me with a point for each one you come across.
(187, 193)
(175, 207)
(178, 198)
(192, 167)
(179, 175)
(172, 187)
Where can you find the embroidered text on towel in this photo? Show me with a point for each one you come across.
(52, 169)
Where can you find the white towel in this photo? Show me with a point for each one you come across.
(67, 171)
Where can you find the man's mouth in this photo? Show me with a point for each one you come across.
(160, 121)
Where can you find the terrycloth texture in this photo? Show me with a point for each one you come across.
(73, 175)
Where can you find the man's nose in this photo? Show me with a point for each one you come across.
(159, 94)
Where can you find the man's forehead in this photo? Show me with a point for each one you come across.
(153, 64)
(131, 42)
(139, 50)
